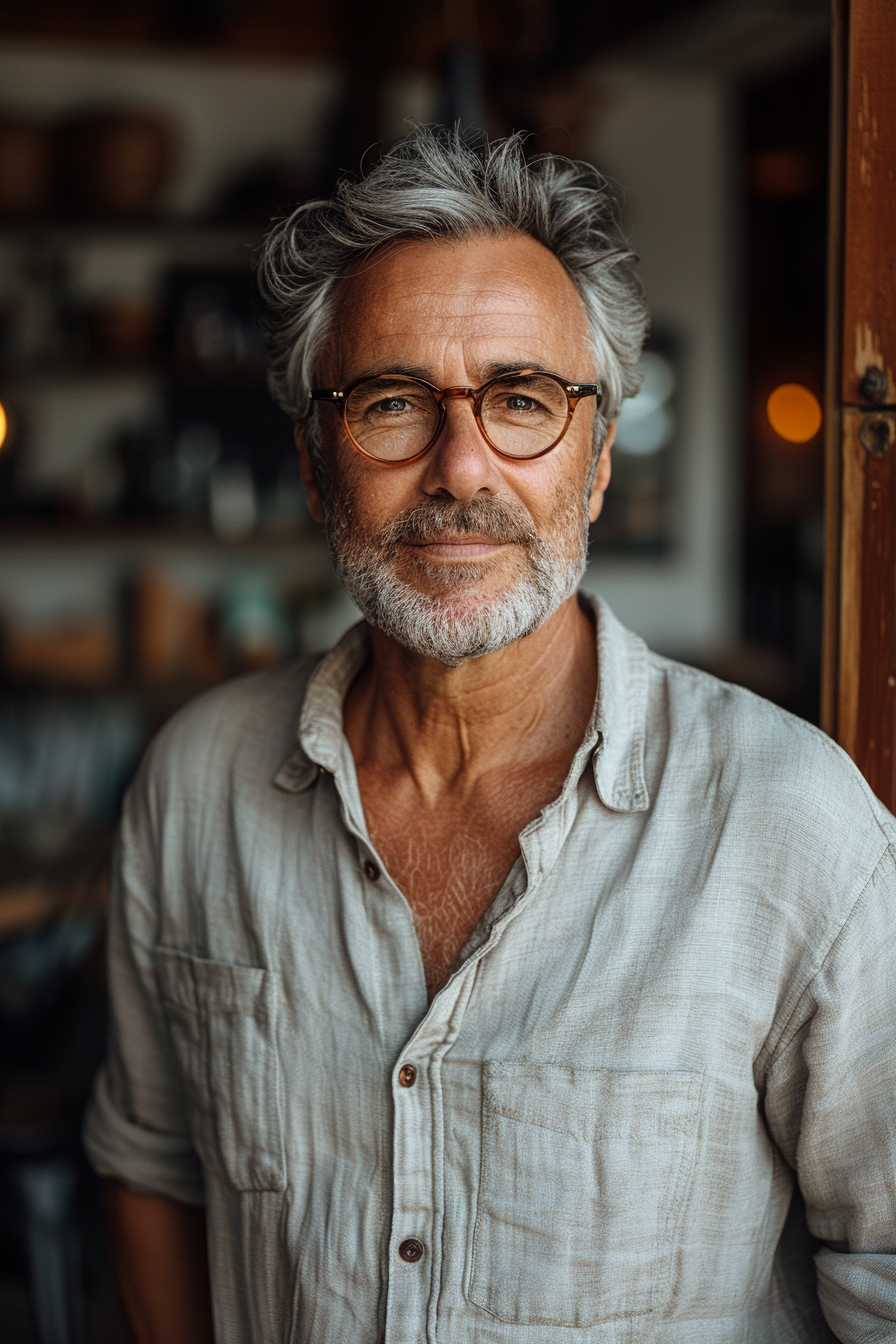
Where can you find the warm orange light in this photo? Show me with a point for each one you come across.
(3, 425)
(794, 413)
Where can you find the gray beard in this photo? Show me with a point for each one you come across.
(457, 623)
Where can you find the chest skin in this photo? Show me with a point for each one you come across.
(449, 775)
(450, 861)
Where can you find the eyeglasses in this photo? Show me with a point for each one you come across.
(395, 419)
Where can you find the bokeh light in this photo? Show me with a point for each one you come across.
(3, 425)
(794, 413)
(646, 423)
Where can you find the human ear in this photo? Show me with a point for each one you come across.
(309, 480)
(602, 475)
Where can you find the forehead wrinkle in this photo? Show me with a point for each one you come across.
(403, 350)
(461, 323)
(481, 365)
(400, 328)
(480, 372)
(449, 320)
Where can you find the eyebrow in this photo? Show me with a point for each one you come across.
(494, 369)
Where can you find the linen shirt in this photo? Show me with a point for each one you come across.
(655, 1100)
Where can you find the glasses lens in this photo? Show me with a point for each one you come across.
(391, 418)
(524, 413)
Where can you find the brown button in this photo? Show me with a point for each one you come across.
(407, 1075)
(371, 872)
(411, 1249)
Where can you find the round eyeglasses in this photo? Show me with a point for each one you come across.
(395, 419)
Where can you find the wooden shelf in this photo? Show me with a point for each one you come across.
(160, 535)
(158, 699)
(176, 374)
(67, 232)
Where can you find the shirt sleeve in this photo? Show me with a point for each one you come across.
(136, 1125)
(831, 1107)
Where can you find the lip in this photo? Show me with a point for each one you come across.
(459, 548)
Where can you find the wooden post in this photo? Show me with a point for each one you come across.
(859, 671)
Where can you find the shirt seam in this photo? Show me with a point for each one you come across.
(787, 1037)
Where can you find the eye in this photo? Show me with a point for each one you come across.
(390, 404)
(517, 402)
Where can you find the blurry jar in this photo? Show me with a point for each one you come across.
(124, 327)
(116, 165)
(233, 502)
(255, 626)
(26, 168)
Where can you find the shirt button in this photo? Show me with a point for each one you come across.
(411, 1249)
(407, 1075)
(371, 872)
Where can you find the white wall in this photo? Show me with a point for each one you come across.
(667, 140)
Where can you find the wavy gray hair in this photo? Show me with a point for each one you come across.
(436, 184)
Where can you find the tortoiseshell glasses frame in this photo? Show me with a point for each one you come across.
(574, 393)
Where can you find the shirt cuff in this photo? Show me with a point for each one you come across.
(145, 1159)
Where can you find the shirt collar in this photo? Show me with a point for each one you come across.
(620, 712)
(321, 739)
(616, 731)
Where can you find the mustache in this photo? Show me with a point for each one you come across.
(433, 519)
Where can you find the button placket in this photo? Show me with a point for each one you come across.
(418, 1159)
(410, 1265)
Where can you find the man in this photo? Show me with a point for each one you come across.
(490, 978)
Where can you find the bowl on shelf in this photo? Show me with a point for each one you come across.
(26, 168)
(116, 164)
(124, 328)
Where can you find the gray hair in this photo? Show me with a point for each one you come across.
(436, 184)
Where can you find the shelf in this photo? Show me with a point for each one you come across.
(175, 374)
(157, 536)
(168, 229)
(157, 699)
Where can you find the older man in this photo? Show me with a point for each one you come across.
(490, 978)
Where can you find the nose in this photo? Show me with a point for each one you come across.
(460, 463)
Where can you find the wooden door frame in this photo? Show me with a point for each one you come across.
(859, 650)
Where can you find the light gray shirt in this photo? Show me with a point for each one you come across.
(665, 1065)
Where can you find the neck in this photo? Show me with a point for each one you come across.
(442, 726)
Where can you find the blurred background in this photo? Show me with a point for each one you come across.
(153, 534)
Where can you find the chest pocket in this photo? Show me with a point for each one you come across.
(222, 1021)
(582, 1187)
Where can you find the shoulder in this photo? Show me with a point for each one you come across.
(245, 725)
(782, 782)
